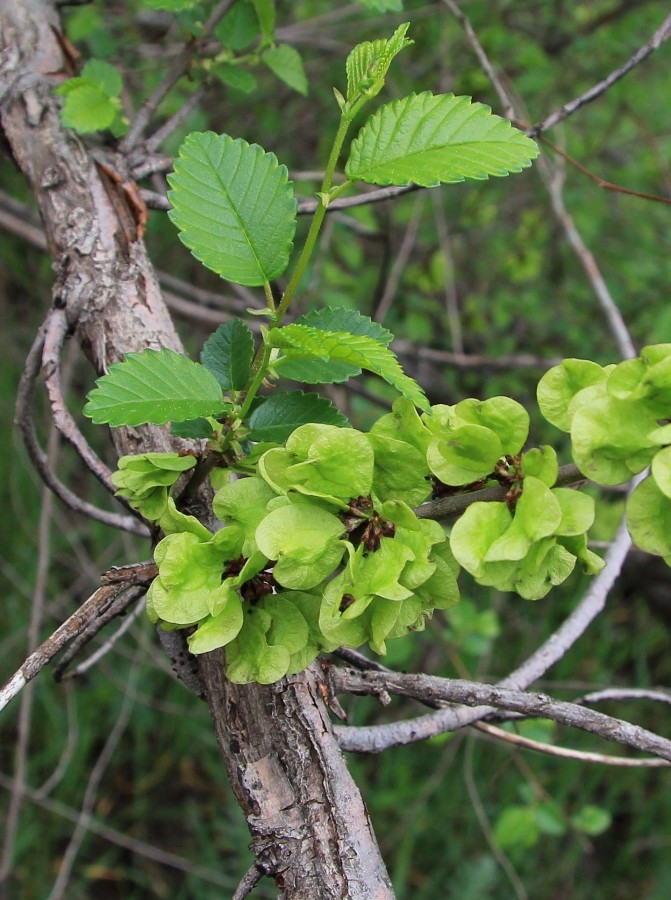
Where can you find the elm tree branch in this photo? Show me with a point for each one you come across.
(24, 420)
(470, 693)
(661, 34)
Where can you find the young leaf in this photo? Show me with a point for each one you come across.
(156, 386)
(87, 108)
(285, 62)
(278, 416)
(228, 354)
(102, 75)
(337, 318)
(234, 207)
(239, 27)
(369, 62)
(301, 341)
(265, 10)
(235, 77)
(428, 140)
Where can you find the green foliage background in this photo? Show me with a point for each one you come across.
(437, 807)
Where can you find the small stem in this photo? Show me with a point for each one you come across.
(269, 295)
(315, 226)
(258, 380)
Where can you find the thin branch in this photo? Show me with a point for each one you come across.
(601, 182)
(602, 759)
(483, 59)
(24, 420)
(154, 142)
(400, 260)
(451, 507)
(116, 609)
(56, 328)
(658, 38)
(307, 207)
(94, 606)
(620, 693)
(249, 881)
(471, 693)
(179, 68)
(611, 312)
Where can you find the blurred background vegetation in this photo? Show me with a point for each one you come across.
(482, 275)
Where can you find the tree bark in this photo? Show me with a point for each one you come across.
(310, 828)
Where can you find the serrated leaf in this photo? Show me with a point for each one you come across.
(156, 386)
(301, 341)
(239, 27)
(280, 415)
(285, 62)
(315, 371)
(228, 354)
(369, 62)
(338, 318)
(87, 108)
(234, 207)
(429, 139)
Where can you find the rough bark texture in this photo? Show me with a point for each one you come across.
(309, 824)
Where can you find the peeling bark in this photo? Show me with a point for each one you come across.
(310, 828)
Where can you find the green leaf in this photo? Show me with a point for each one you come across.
(317, 371)
(517, 828)
(265, 11)
(428, 140)
(239, 27)
(87, 108)
(338, 318)
(103, 76)
(592, 820)
(301, 341)
(369, 62)
(285, 62)
(228, 354)
(234, 207)
(559, 386)
(505, 417)
(235, 77)
(541, 462)
(649, 518)
(156, 386)
(278, 416)
(217, 631)
(196, 429)
(661, 470)
(464, 455)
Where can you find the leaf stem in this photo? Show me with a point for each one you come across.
(257, 381)
(316, 224)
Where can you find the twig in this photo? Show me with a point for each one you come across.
(115, 609)
(56, 328)
(400, 260)
(249, 881)
(179, 67)
(603, 759)
(23, 418)
(620, 693)
(93, 607)
(483, 59)
(154, 142)
(601, 182)
(306, 207)
(472, 693)
(613, 315)
(451, 507)
(658, 38)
